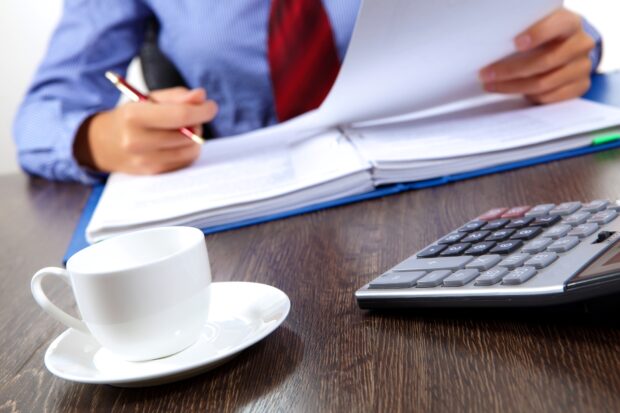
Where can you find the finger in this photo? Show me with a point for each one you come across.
(165, 160)
(540, 84)
(141, 141)
(174, 94)
(560, 24)
(195, 96)
(179, 95)
(570, 91)
(541, 60)
(168, 115)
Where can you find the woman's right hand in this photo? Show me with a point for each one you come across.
(143, 137)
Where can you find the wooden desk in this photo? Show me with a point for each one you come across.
(329, 355)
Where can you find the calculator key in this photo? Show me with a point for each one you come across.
(492, 214)
(431, 264)
(520, 222)
(546, 221)
(433, 279)
(557, 231)
(452, 238)
(526, 233)
(540, 210)
(563, 244)
(484, 262)
(455, 249)
(397, 279)
(492, 276)
(500, 235)
(506, 247)
(516, 212)
(476, 236)
(603, 217)
(537, 245)
(496, 224)
(480, 248)
(542, 260)
(431, 251)
(514, 260)
(519, 275)
(565, 208)
(614, 206)
(584, 230)
(577, 218)
(595, 206)
(472, 226)
(460, 278)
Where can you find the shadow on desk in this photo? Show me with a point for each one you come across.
(272, 359)
(603, 311)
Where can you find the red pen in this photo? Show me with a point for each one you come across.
(135, 95)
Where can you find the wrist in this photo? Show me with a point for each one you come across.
(87, 146)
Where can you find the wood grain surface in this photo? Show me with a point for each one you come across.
(329, 355)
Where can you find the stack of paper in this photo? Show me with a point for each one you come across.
(479, 137)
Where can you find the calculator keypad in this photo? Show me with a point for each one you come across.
(507, 246)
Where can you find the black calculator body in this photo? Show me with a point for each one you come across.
(510, 257)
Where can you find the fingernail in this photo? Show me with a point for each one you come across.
(487, 75)
(523, 42)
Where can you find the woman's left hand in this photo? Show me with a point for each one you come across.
(552, 62)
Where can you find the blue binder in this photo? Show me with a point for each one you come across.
(605, 89)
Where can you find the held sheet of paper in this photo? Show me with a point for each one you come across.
(410, 55)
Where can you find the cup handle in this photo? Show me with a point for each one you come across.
(47, 305)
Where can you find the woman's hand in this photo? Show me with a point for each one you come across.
(143, 137)
(552, 64)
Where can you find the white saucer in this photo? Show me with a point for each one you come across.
(240, 315)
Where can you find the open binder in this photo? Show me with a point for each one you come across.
(605, 89)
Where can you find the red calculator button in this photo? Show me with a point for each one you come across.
(492, 214)
(516, 212)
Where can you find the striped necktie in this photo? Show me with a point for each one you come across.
(302, 56)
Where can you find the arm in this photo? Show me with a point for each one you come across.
(69, 86)
(68, 127)
(554, 60)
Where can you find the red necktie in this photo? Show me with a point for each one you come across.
(302, 56)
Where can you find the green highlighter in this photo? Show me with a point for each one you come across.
(603, 139)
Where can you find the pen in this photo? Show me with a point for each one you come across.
(135, 95)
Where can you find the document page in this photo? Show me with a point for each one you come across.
(409, 55)
(495, 127)
(230, 171)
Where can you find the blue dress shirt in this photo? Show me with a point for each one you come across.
(218, 45)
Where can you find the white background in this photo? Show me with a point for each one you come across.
(25, 26)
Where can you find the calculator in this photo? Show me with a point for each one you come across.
(514, 256)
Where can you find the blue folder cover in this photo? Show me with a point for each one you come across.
(605, 89)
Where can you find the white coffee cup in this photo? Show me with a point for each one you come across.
(142, 295)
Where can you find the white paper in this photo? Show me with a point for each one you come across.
(409, 55)
(230, 171)
(495, 127)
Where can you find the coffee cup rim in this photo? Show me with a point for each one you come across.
(95, 271)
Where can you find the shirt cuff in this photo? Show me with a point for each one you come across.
(597, 53)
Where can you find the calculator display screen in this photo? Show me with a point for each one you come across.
(606, 264)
